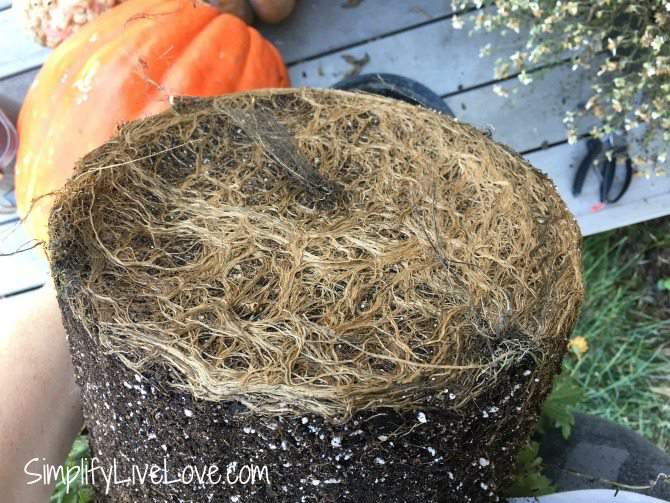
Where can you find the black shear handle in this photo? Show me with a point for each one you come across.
(609, 171)
(594, 147)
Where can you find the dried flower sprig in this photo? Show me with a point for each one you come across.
(624, 44)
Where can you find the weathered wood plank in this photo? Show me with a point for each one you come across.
(447, 61)
(12, 91)
(18, 51)
(523, 121)
(7, 200)
(621, 215)
(316, 27)
(8, 218)
(320, 26)
(444, 59)
(530, 118)
(646, 198)
(22, 270)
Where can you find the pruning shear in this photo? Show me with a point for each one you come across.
(606, 158)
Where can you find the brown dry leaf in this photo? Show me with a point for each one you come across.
(420, 10)
(357, 64)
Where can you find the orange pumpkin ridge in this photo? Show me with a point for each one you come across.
(121, 66)
(92, 100)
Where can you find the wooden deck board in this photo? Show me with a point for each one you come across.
(18, 50)
(645, 197)
(13, 89)
(23, 270)
(446, 60)
(514, 121)
(308, 33)
(415, 40)
(7, 218)
(318, 27)
(530, 118)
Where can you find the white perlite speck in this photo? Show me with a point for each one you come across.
(380, 461)
(484, 462)
(336, 442)
(188, 413)
(422, 417)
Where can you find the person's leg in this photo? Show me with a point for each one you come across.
(40, 414)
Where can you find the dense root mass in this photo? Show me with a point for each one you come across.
(304, 251)
(366, 297)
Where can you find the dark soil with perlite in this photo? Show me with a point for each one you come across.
(368, 298)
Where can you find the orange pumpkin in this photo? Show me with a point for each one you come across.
(125, 65)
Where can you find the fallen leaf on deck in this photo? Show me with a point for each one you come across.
(357, 64)
(420, 10)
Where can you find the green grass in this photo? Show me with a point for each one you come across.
(625, 374)
(626, 370)
(74, 491)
